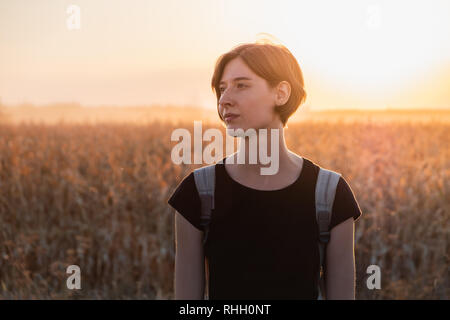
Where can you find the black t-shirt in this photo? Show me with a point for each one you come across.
(263, 244)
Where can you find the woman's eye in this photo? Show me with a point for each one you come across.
(240, 85)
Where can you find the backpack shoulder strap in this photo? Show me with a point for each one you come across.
(205, 182)
(327, 181)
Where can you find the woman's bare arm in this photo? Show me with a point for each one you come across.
(340, 271)
(189, 260)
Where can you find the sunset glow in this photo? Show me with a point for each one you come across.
(354, 54)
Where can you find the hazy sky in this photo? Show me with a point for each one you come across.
(354, 54)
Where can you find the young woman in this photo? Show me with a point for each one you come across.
(262, 241)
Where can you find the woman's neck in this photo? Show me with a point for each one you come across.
(263, 154)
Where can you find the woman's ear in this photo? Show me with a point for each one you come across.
(283, 92)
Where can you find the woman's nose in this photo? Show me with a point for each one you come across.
(225, 99)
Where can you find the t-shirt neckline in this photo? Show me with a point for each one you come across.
(299, 178)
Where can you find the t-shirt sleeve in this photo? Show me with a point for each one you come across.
(345, 204)
(186, 201)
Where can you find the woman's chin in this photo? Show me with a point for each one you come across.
(234, 130)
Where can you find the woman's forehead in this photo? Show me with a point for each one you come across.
(236, 68)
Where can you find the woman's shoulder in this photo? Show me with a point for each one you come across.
(186, 201)
(345, 204)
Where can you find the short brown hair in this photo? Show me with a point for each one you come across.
(272, 62)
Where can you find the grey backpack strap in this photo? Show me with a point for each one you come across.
(327, 181)
(205, 182)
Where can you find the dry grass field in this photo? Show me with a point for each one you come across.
(94, 194)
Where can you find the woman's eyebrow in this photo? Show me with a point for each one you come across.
(237, 79)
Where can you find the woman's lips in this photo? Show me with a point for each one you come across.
(231, 117)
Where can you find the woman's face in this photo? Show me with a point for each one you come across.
(251, 99)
